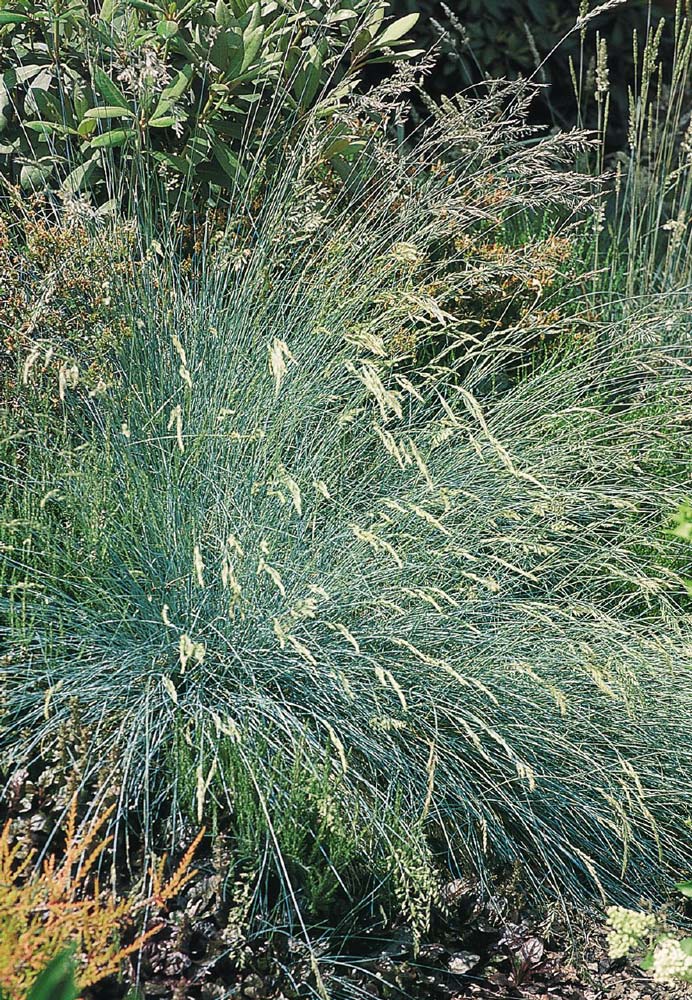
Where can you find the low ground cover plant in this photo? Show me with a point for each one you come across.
(360, 556)
(59, 317)
(58, 922)
(633, 933)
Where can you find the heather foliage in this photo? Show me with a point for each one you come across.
(59, 320)
(58, 923)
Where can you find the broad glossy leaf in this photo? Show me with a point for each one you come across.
(212, 174)
(231, 128)
(86, 127)
(228, 161)
(49, 128)
(109, 112)
(108, 90)
(167, 29)
(252, 41)
(79, 100)
(227, 51)
(116, 137)
(22, 74)
(8, 17)
(162, 109)
(70, 18)
(148, 8)
(343, 146)
(685, 888)
(223, 14)
(197, 149)
(165, 121)
(50, 108)
(255, 17)
(33, 176)
(342, 168)
(341, 15)
(108, 10)
(178, 163)
(39, 86)
(175, 90)
(192, 55)
(43, 128)
(362, 41)
(78, 178)
(397, 29)
(308, 81)
(378, 17)
(109, 208)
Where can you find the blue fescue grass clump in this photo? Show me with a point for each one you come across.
(377, 612)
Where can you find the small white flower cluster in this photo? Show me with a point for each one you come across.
(628, 930)
(144, 73)
(671, 962)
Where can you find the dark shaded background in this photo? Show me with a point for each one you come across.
(501, 38)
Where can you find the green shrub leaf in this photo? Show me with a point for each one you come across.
(117, 137)
(163, 121)
(114, 111)
(148, 8)
(78, 178)
(33, 176)
(167, 29)
(86, 127)
(397, 29)
(252, 41)
(50, 128)
(228, 161)
(8, 17)
(108, 90)
(175, 90)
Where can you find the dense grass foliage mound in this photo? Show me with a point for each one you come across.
(381, 592)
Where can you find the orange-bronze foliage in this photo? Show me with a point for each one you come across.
(61, 904)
